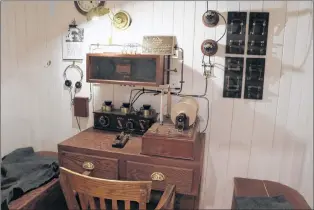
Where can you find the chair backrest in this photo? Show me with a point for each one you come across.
(89, 188)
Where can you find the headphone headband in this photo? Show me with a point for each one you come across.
(75, 67)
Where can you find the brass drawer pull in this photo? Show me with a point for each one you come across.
(88, 166)
(157, 176)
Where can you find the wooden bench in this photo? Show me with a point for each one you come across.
(254, 187)
(48, 196)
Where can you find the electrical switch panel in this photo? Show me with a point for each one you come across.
(254, 78)
(258, 30)
(236, 26)
(233, 77)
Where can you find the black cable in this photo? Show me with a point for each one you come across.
(143, 91)
(225, 26)
(131, 99)
(72, 103)
(131, 102)
(78, 124)
(192, 95)
(135, 99)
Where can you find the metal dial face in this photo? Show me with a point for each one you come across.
(130, 124)
(85, 6)
(120, 122)
(143, 124)
(104, 121)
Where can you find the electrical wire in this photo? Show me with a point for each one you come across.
(224, 21)
(193, 95)
(178, 93)
(90, 92)
(131, 99)
(72, 103)
(225, 26)
(182, 68)
(207, 114)
(78, 124)
(135, 99)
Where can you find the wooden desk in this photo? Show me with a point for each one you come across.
(254, 187)
(128, 163)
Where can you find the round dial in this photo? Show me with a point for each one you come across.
(120, 123)
(85, 6)
(209, 47)
(104, 121)
(144, 125)
(130, 124)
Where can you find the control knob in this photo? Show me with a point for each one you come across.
(119, 123)
(144, 125)
(104, 121)
(130, 124)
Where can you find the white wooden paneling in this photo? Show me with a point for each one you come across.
(265, 110)
(269, 139)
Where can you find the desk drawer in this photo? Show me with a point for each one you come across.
(161, 176)
(106, 168)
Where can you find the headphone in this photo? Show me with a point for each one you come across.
(67, 82)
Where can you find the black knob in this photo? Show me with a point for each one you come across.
(104, 121)
(130, 125)
(119, 122)
(146, 106)
(108, 103)
(126, 105)
(144, 124)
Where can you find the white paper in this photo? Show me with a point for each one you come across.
(72, 48)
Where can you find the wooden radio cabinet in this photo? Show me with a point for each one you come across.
(125, 69)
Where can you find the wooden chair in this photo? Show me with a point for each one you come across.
(84, 192)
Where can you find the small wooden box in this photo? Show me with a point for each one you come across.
(166, 141)
(81, 107)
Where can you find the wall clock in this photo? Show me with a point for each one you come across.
(85, 6)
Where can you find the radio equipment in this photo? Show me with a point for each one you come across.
(125, 69)
(184, 113)
(124, 119)
(176, 137)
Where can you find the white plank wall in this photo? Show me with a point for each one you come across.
(269, 139)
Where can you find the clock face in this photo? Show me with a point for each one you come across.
(85, 6)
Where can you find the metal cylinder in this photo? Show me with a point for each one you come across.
(146, 113)
(188, 106)
(106, 108)
(124, 110)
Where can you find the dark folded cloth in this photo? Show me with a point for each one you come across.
(276, 202)
(23, 170)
